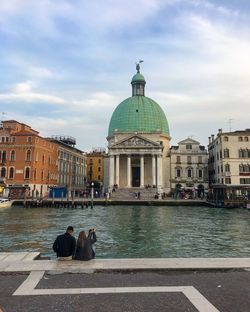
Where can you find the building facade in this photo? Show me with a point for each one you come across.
(229, 158)
(72, 164)
(27, 160)
(138, 142)
(95, 165)
(189, 165)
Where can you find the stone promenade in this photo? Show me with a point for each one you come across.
(123, 284)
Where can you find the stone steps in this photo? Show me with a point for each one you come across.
(130, 193)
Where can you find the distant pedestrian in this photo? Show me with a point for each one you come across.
(65, 245)
(84, 248)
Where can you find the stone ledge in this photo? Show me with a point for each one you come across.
(24, 263)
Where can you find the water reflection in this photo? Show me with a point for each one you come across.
(127, 232)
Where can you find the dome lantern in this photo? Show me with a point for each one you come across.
(138, 82)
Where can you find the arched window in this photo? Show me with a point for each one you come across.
(27, 173)
(28, 155)
(246, 139)
(190, 172)
(4, 156)
(43, 159)
(178, 172)
(240, 168)
(245, 168)
(35, 174)
(11, 173)
(42, 175)
(3, 172)
(12, 155)
(225, 139)
(240, 139)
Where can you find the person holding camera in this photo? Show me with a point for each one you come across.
(84, 249)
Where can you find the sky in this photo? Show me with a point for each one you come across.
(65, 65)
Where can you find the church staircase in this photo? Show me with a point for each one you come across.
(130, 193)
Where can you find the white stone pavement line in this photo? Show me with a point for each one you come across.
(27, 288)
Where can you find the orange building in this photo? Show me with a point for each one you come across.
(27, 161)
(95, 165)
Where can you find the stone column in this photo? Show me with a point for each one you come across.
(142, 172)
(117, 170)
(111, 171)
(159, 171)
(129, 171)
(153, 171)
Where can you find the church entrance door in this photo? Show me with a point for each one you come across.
(136, 171)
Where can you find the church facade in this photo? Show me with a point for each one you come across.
(138, 142)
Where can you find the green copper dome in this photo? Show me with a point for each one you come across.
(138, 77)
(138, 114)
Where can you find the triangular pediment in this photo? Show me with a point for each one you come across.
(136, 141)
(189, 141)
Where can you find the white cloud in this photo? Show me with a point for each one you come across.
(23, 92)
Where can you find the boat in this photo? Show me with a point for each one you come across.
(5, 203)
(229, 196)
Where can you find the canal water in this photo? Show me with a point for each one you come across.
(129, 232)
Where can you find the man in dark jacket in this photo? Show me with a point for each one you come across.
(65, 245)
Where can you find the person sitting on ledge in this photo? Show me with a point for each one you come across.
(65, 245)
(84, 249)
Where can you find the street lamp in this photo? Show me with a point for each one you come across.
(92, 193)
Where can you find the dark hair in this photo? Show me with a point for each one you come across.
(81, 238)
(70, 228)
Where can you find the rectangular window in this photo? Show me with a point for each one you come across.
(200, 159)
(188, 146)
(227, 180)
(178, 159)
(200, 173)
(226, 153)
(178, 173)
(189, 160)
(245, 181)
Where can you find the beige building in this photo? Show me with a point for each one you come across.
(138, 142)
(229, 157)
(189, 165)
(72, 164)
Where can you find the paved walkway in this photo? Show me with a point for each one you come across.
(127, 285)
